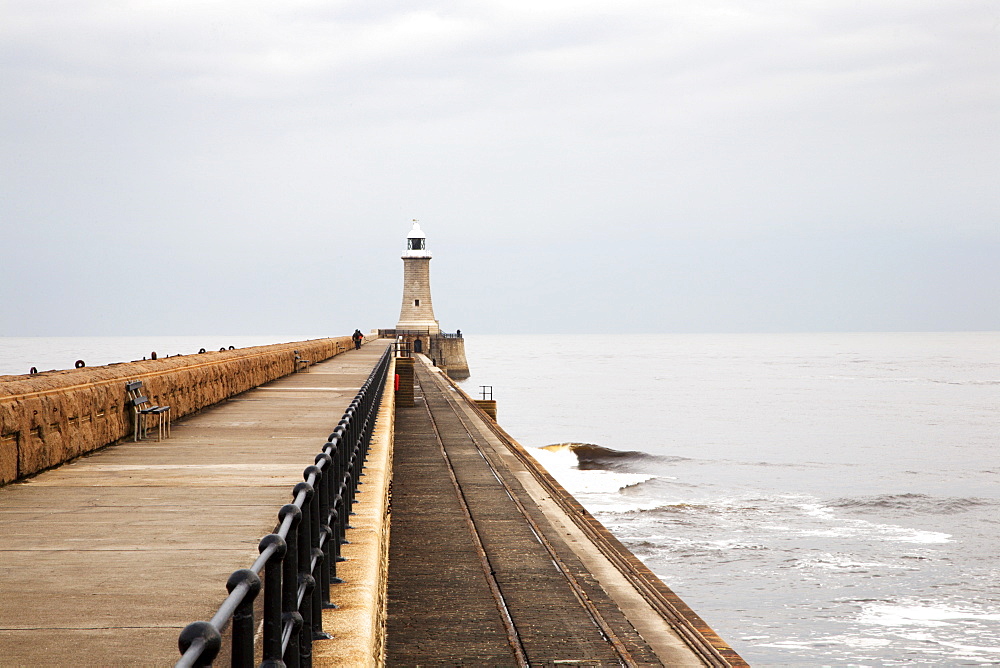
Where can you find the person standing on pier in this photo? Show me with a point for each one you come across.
(358, 338)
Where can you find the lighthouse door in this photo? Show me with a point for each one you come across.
(418, 346)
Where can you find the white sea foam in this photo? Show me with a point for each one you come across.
(972, 652)
(881, 531)
(823, 521)
(597, 489)
(852, 528)
(802, 645)
(841, 562)
(562, 465)
(883, 614)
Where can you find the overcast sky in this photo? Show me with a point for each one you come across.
(252, 167)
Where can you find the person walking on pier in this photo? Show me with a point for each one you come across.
(358, 338)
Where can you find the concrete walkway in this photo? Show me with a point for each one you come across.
(485, 568)
(104, 560)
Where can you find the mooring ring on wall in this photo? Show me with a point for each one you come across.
(33, 371)
(200, 351)
(80, 364)
(232, 347)
(222, 349)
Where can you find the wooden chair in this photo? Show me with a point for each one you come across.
(143, 408)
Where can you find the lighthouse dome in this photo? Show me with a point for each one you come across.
(416, 243)
(416, 232)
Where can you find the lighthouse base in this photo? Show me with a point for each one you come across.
(449, 354)
(446, 351)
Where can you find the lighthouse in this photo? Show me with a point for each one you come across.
(417, 325)
(417, 311)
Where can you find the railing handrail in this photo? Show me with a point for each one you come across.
(393, 333)
(315, 520)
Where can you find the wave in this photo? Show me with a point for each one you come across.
(675, 508)
(967, 382)
(912, 504)
(734, 509)
(590, 456)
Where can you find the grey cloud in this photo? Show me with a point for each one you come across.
(231, 131)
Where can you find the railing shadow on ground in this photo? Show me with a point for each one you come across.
(299, 561)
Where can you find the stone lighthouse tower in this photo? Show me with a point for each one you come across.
(417, 325)
(417, 311)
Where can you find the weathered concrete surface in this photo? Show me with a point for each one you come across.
(52, 417)
(104, 560)
(358, 623)
(441, 608)
(487, 566)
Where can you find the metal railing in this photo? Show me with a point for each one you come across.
(393, 333)
(299, 561)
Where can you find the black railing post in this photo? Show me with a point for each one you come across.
(340, 487)
(292, 623)
(366, 433)
(329, 569)
(347, 487)
(305, 578)
(336, 512)
(272, 600)
(352, 446)
(332, 446)
(343, 439)
(316, 554)
(290, 584)
(352, 430)
(305, 635)
(243, 626)
(316, 600)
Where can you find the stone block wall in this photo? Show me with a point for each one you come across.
(53, 417)
(404, 391)
(449, 354)
(417, 288)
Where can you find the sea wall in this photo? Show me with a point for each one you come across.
(50, 418)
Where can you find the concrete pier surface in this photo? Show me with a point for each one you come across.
(105, 559)
(492, 563)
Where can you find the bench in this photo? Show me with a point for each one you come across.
(300, 362)
(143, 408)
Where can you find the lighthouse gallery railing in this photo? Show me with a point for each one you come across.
(299, 561)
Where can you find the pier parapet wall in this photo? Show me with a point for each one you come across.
(50, 418)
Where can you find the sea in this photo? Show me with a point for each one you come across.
(18, 355)
(819, 499)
